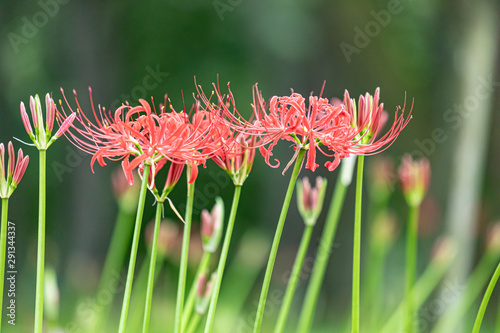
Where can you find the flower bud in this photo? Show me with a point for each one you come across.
(443, 251)
(384, 228)
(10, 178)
(126, 195)
(382, 179)
(204, 292)
(211, 226)
(415, 177)
(167, 236)
(310, 200)
(493, 239)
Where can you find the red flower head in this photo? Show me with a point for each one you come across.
(138, 135)
(288, 118)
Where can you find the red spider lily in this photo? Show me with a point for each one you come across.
(15, 170)
(42, 136)
(369, 118)
(287, 118)
(415, 177)
(138, 135)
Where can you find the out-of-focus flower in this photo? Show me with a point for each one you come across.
(125, 195)
(443, 251)
(415, 178)
(10, 178)
(211, 226)
(493, 238)
(204, 292)
(310, 199)
(382, 179)
(167, 236)
(384, 230)
(42, 136)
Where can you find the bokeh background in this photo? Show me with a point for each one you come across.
(443, 54)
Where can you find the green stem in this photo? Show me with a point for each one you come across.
(357, 247)
(133, 250)
(114, 259)
(274, 248)
(202, 267)
(184, 259)
(40, 258)
(486, 299)
(193, 323)
(223, 258)
(3, 245)
(321, 261)
(411, 265)
(152, 264)
(294, 278)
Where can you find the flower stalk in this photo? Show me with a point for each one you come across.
(40, 258)
(277, 237)
(152, 263)
(133, 250)
(357, 247)
(486, 299)
(223, 259)
(179, 306)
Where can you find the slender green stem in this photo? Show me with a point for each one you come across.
(114, 259)
(321, 261)
(3, 245)
(486, 299)
(133, 250)
(40, 258)
(356, 262)
(188, 308)
(411, 265)
(152, 264)
(223, 258)
(294, 278)
(274, 248)
(184, 259)
(194, 322)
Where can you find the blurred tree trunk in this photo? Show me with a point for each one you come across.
(473, 66)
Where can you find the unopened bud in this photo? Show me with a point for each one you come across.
(443, 251)
(211, 226)
(382, 179)
(167, 236)
(204, 292)
(493, 239)
(415, 177)
(310, 199)
(385, 228)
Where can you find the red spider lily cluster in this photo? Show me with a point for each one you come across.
(143, 135)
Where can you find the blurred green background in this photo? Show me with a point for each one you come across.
(443, 54)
